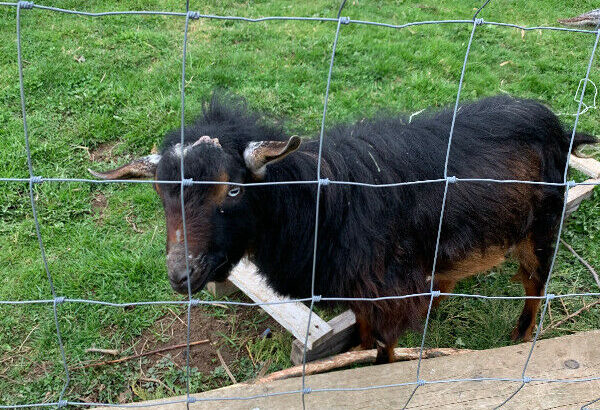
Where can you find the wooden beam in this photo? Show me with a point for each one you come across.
(219, 289)
(338, 341)
(588, 166)
(357, 357)
(577, 194)
(292, 316)
(566, 358)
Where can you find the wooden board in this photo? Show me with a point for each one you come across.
(577, 194)
(588, 166)
(220, 289)
(567, 358)
(292, 316)
(338, 341)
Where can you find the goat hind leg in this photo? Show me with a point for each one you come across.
(534, 265)
(526, 323)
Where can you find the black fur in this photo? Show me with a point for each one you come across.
(376, 241)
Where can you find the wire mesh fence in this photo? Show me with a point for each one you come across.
(339, 21)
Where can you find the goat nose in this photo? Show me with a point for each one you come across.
(180, 278)
(179, 281)
(177, 268)
(176, 260)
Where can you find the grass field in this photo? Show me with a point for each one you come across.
(102, 91)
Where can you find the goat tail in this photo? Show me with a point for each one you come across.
(581, 139)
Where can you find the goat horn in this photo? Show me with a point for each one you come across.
(140, 168)
(260, 153)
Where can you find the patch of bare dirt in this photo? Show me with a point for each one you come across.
(99, 204)
(172, 330)
(227, 329)
(103, 152)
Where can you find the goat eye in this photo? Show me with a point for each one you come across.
(234, 191)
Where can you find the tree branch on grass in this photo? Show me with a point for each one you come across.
(583, 261)
(569, 317)
(357, 357)
(102, 351)
(231, 377)
(135, 356)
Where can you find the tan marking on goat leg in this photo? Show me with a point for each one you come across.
(527, 274)
(524, 251)
(474, 263)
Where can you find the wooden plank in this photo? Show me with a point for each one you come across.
(338, 341)
(567, 358)
(292, 316)
(577, 194)
(588, 166)
(219, 289)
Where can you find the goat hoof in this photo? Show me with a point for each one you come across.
(517, 335)
(382, 359)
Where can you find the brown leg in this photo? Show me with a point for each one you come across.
(380, 328)
(529, 274)
(365, 333)
(385, 354)
(526, 323)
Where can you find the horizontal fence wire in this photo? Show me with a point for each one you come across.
(316, 299)
(346, 20)
(321, 183)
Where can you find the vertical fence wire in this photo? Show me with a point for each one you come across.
(183, 217)
(547, 296)
(32, 180)
(420, 382)
(305, 390)
(35, 213)
(586, 405)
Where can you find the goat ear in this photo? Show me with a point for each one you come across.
(259, 154)
(140, 168)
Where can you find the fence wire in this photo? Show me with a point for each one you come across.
(339, 21)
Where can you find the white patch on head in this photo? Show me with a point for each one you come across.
(176, 150)
(250, 159)
(153, 159)
(205, 139)
(178, 235)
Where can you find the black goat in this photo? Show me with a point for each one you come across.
(372, 242)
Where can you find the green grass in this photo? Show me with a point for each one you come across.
(126, 91)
